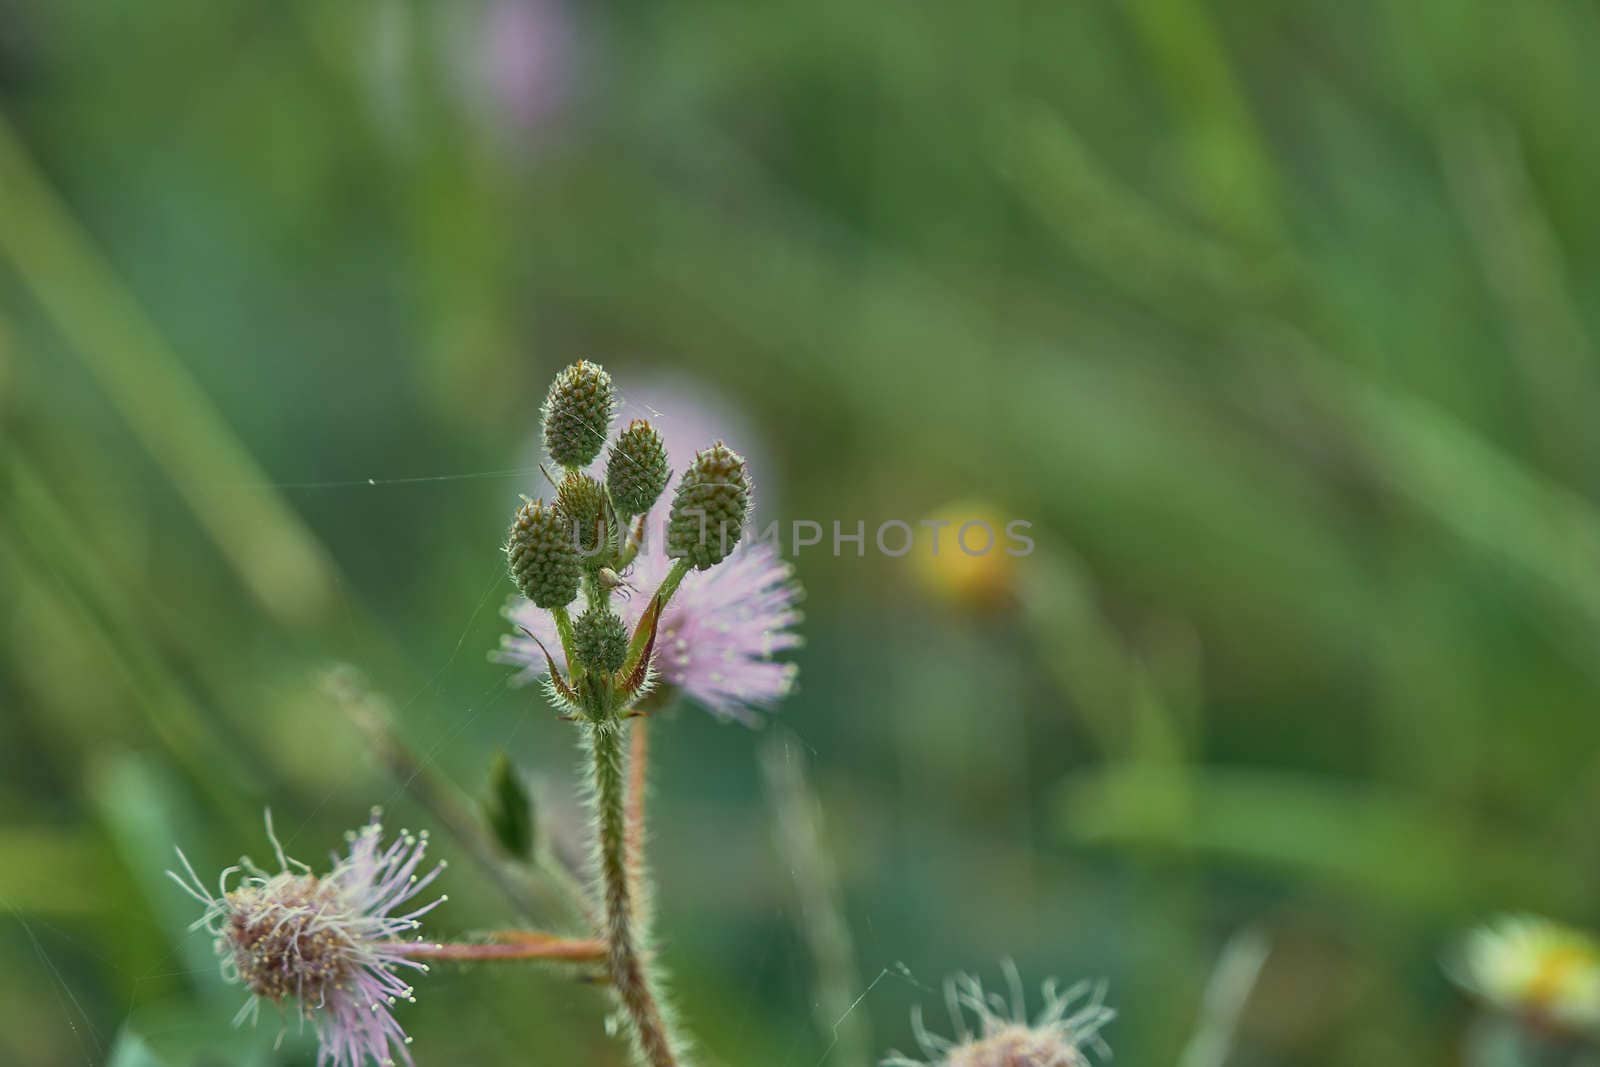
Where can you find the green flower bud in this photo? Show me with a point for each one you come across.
(601, 639)
(578, 413)
(581, 503)
(636, 470)
(709, 509)
(543, 562)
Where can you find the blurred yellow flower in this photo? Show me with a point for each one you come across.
(1535, 968)
(969, 560)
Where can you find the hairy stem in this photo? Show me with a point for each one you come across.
(669, 584)
(564, 630)
(658, 606)
(638, 773)
(804, 849)
(630, 976)
(638, 782)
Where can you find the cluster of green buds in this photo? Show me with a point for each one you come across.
(586, 538)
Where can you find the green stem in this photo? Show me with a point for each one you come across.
(564, 630)
(630, 977)
(669, 585)
(512, 945)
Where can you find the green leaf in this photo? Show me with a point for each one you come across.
(508, 809)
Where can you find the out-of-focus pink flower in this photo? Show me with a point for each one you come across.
(528, 57)
(332, 942)
(718, 635)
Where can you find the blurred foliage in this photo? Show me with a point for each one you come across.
(1276, 320)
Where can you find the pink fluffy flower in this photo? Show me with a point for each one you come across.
(718, 635)
(333, 942)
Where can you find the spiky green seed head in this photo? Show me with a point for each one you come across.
(709, 508)
(543, 562)
(601, 639)
(581, 502)
(637, 470)
(578, 413)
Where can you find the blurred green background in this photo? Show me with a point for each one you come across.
(1277, 320)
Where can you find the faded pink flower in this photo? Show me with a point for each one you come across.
(717, 638)
(530, 56)
(332, 942)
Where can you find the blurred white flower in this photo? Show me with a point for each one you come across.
(1536, 969)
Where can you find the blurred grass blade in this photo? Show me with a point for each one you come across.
(53, 871)
(54, 565)
(1351, 836)
(1483, 495)
(146, 817)
(1177, 270)
(1520, 256)
(274, 554)
(1229, 988)
(1227, 158)
(840, 1017)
